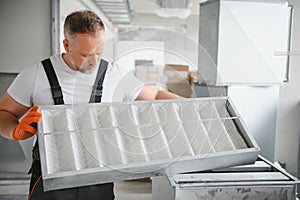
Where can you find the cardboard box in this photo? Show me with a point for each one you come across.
(176, 73)
(178, 80)
(193, 77)
(148, 74)
(183, 89)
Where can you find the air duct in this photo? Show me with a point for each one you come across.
(172, 8)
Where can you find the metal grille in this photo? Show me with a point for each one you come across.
(134, 136)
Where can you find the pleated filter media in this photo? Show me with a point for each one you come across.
(97, 143)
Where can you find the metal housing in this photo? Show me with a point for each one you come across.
(260, 181)
(234, 41)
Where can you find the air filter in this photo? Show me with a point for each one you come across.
(98, 143)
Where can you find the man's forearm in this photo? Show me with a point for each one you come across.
(7, 124)
(164, 94)
(150, 93)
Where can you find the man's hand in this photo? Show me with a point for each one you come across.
(27, 126)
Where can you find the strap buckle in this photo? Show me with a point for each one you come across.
(97, 91)
(56, 92)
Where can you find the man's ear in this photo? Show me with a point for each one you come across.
(66, 45)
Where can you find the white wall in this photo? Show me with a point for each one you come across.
(129, 51)
(180, 45)
(184, 45)
(25, 33)
(288, 120)
(25, 38)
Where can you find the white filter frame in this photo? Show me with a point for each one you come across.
(99, 143)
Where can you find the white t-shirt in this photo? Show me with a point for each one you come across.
(31, 86)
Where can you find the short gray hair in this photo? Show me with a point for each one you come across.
(84, 21)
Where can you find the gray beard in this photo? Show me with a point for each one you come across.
(82, 70)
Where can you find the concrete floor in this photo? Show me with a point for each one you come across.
(124, 190)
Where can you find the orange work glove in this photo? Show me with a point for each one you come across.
(27, 126)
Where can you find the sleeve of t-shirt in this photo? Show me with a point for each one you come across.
(128, 85)
(22, 87)
(132, 86)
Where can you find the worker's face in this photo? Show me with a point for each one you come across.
(85, 51)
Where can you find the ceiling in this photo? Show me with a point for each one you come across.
(144, 13)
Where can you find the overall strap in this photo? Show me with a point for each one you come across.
(58, 97)
(53, 81)
(97, 88)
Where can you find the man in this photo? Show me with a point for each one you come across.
(76, 71)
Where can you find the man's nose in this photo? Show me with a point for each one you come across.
(94, 59)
